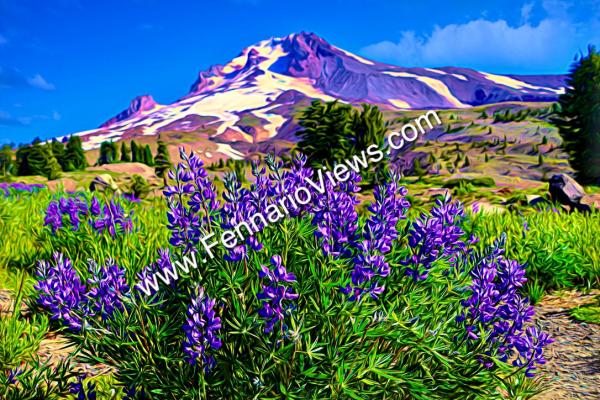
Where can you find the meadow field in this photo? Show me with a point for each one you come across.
(419, 288)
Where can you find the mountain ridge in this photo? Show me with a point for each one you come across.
(252, 98)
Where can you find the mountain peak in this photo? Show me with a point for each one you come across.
(138, 106)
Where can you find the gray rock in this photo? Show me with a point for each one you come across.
(565, 190)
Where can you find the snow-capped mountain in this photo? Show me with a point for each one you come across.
(252, 98)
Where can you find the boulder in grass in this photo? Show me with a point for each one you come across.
(103, 183)
(565, 190)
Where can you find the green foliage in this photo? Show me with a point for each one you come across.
(19, 338)
(7, 164)
(108, 153)
(38, 159)
(74, 155)
(147, 156)
(58, 149)
(39, 380)
(139, 187)
(578, 120)
(484, 181)
(588, 313)
(162, 160)
(136, 154)
(561, 250)
(332, 132)
(52, 169)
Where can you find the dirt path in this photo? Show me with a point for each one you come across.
(574, 358)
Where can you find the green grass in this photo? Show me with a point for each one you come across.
(588, 313)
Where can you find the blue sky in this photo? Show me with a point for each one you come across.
(69, 65)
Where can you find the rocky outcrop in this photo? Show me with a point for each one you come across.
(565, 190)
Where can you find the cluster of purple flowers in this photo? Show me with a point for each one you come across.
(72, 211)
(61, 291)
(201, 331)
(107, 287)
(69, 302)
(6, 189)
(275, 295)
(379, 233)
(239, 204)
(335, 216)
(435, 236)
(192, 201)
(496, 312)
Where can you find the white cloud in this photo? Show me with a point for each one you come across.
(39, 82)
(546, 46)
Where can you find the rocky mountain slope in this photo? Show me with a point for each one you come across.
(252, 98)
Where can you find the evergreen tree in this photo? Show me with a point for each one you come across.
(125, 152)
(578, 117)
(74, 155)
(162, 160)
(7, 164)
(137, 152)
(147, 156)
(52, 169)
(22, 160)
(326, 132)
(58, 149)
(332, 132)
(37, 158)
(104, 157)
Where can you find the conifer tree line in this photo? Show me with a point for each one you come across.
(51, 158)
(134, 152)
(47, 159)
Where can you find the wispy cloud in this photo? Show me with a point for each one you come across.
(8, 120)
(545, 46)
(39, 82)
(526, 12)
(13, 78)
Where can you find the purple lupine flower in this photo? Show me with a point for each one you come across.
(336, 218)
(107, 287)
(132, 393)
(148, 275)
(296, 177)
(275, 294)
(13, 374)
(53, 217)
(191, 200)
(201, 331)
(496, 309)
(82, 392)
(530, 347)
(61, 292)
(95, 209)
(112, 219)
(19, 187)
(434, 236)
(388, 208)
(236, 208)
